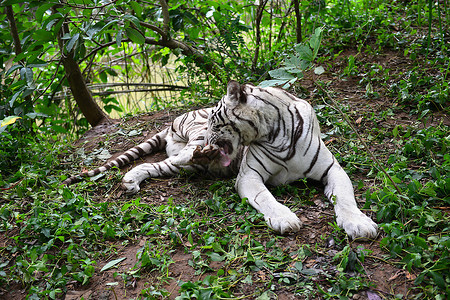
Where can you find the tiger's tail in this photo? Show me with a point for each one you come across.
(153, 144)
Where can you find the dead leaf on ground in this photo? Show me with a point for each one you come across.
(408, 275)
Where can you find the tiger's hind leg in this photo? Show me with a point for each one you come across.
(168, 167)
(165, 168)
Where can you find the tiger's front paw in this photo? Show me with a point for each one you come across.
(205, 155)
(357, 225)
(286, 223)
(130, 187)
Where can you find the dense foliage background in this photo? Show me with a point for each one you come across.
(69, 65)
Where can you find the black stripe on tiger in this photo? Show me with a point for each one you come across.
(296, 134)
(310, 137)
(279, 117)
(171, 169)
(314, 160)
(325, 173)
(250, 122)
(270, 154)
(261, 162)
(155, 143)
(256, 197)
(257, 172)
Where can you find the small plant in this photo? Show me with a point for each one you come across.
(351, 69)
(298, 63)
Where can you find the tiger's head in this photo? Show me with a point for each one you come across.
(232, 123)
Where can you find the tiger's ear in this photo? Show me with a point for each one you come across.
(235, 93)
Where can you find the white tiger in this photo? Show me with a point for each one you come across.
(265, 136)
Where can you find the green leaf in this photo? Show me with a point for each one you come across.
(215, 256)
(281, 73)
(304, 52)
(38, 63)
(48, 23)
(103, 76)
(137, 8)
(438, 279)
(12, 69)
(10, 2)
(41, 10)
(421, 242)
(273, 82)
(15, 96)
(310, 272)
(194, 32)
(315, 41)
(58, 26)
(292, 62)
(264, 296)
(395, 131)
(112, 264)
(59, 128)
(135, 36)
(298, 266)
(248, 279)
(132, 19)
(119, 38)
(43, 35)
(9, 120)
(72, 41)
(26, 74)
(288, 84)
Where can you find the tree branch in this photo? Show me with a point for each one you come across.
(14, 32)
(259, 13)
(106, 93)
(166, 18)
(94, 51)
(187, 50)
(154, 28)
(116, 84)
(283, 24)
(16, 38)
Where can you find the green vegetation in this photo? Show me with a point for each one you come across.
(384, 65)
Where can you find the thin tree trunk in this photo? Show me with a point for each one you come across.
(299, 21)
(81, 93)
(18, 50)
(283, 24)
(259, 13)
(14, 32)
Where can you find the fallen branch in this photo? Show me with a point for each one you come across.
(12, 185)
